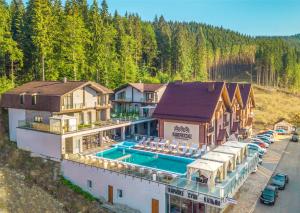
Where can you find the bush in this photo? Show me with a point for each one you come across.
(77, 189)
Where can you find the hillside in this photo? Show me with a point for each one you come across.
(272, 105)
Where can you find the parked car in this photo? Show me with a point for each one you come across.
(269, 195)
(262, 145)
(279, 181)
(265, 138)
(295, 138)
(260, 141)
(286, 177)
(281, 131)
(261, 151)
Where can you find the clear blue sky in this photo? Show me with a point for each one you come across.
(252, 17)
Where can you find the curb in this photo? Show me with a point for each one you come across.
(254, 205)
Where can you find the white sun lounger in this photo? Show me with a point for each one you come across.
(184, 150)
(198, 154)
(189, 152)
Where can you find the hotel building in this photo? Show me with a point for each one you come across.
(111, 155)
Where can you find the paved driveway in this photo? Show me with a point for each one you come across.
(251, 189)
(289, 199)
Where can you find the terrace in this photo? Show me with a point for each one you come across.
(62, 128)
(220, 190)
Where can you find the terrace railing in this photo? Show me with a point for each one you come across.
(73, 106)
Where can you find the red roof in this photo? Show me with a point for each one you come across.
(190, 101)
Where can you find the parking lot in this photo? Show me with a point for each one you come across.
(289, 199)
(251, 189)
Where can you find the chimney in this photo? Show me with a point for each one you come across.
(211, 87)
(65, 80)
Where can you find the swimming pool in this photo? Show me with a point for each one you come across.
(126, 144)
(164, 162)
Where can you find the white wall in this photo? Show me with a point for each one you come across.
(138, 96)
(137, 193)
(193, 130)
(90, 97)
(78, 96)
(128, 93)
(14, 115)
(40, 143)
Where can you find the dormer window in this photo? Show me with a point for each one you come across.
(33, 99)
(22, 98)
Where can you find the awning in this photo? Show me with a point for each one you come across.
(237, 152)
(208, 171)
(236, 144)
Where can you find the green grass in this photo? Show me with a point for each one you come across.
(77, 189)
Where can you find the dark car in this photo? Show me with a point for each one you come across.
(286, 177)
(279, 180)
(268, 195)
(295, 138)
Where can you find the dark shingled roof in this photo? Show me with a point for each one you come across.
(54, 88)
(231, 87)
(189, 101)
(142, 87)
(222, 134)
(245, 92)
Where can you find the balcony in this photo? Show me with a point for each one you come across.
(211, 129)
(103, 104)
(72, 106)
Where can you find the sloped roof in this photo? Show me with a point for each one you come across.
(246, 90)
(190, 101)
(231, 87)
(142, 87)
(54, 88)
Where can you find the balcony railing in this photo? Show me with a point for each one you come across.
(103, 104)
(72, 106)
(66, 129)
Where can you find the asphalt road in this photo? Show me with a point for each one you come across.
(288, 200)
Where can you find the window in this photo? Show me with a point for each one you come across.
(121, 95)
(120, 193)
(89, 184)
(38, 119)
(33, 99)
(22, 99)
(149, 96)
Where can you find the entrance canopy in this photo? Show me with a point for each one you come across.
(227, 159)
(230, 150)
(208, 170)
(243, 146)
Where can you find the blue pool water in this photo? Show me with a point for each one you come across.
(148, 159)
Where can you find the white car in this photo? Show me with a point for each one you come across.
(256, 147)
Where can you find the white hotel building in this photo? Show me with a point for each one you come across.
(118, 158)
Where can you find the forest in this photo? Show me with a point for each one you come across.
(49, 40)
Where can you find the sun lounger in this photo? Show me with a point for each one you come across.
(189, 152)
(183, 151)
(153, 145)
(198, 154)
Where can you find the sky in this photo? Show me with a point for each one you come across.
(251, 17)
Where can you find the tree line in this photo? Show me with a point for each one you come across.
(48, 40)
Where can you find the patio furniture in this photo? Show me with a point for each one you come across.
(198, 154)
(189, 152)
(183, 151)
(154, 145)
